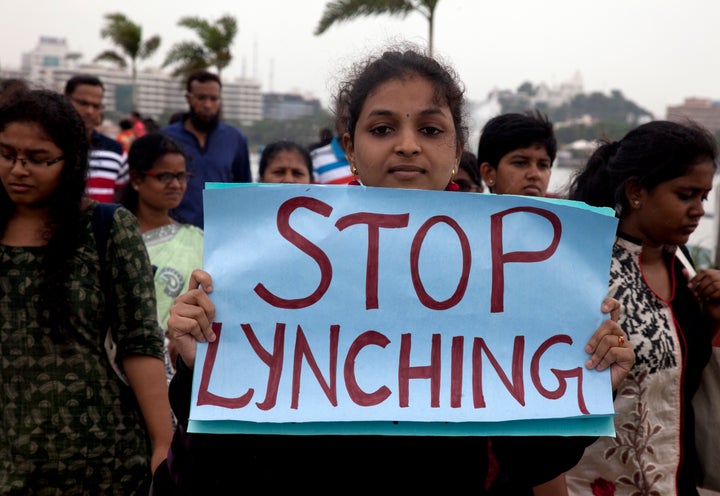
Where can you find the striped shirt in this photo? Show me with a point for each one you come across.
(108, 169)
(330, 165)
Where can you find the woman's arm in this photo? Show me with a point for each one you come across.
(147, 379)
(705, 285)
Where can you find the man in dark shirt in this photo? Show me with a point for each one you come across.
(217, 152)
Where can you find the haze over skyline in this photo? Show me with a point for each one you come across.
(656, 52)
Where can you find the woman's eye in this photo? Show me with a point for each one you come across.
(431, 131)
(380, 130)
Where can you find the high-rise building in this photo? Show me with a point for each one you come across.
(51, 63)
(280, 106)
(704, 111)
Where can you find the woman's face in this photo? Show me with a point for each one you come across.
(33, 182)
(403, 138)
(465, 182)
(163, 186)
(669, 213)
(287, 166)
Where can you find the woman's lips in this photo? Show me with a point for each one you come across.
(532, 190)
(406, 171)
(19, 188)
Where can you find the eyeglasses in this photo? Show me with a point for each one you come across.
(167, 177)
(85, 104)
(8, 161)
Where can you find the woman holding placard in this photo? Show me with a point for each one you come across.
(405, 129)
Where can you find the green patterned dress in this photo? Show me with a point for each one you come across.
(69, 426)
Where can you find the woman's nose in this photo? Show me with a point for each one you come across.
(407, 144)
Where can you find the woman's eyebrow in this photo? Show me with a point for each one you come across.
(25, 151)
(391, 113)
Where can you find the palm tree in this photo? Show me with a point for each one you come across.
(127, 36)
(212, 51)
(345, 10)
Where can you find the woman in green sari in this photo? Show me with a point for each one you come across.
(158, 179)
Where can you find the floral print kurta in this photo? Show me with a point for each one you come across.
(653, 452)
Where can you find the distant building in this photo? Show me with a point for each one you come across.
(52, 63)
(704, 111)
(282, 106)
(559, 94)
(529, 96)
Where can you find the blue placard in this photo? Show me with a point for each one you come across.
(345, 310)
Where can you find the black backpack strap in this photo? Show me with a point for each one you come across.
(102, 219)
(102, 222)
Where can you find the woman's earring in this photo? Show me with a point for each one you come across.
(636, 203)
(355, 181)
(452, 185)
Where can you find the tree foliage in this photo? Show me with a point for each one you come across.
(127, 37)
(612, 115)
(213, 49)
(346, 10)
(613, 108)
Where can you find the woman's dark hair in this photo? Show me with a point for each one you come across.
(650, 154)
(271, 150)
(144, 153)
(469, 163)
(400, 64)
(53, 114)
(11, 87)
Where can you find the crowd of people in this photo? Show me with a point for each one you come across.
(73, 424)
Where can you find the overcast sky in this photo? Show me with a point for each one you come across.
(657, 52)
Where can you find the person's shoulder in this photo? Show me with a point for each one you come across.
(321, 150)
(175, 128)
(192, 229)
(121, 214)
(103, 142)
(123, 220)
(116, 215)
(226, 128)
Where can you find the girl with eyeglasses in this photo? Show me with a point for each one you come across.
(70, 425)
(158, 180)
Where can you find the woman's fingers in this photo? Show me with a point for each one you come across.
(611, 306)
(200, 279)
(610, 347)
(192, 313)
